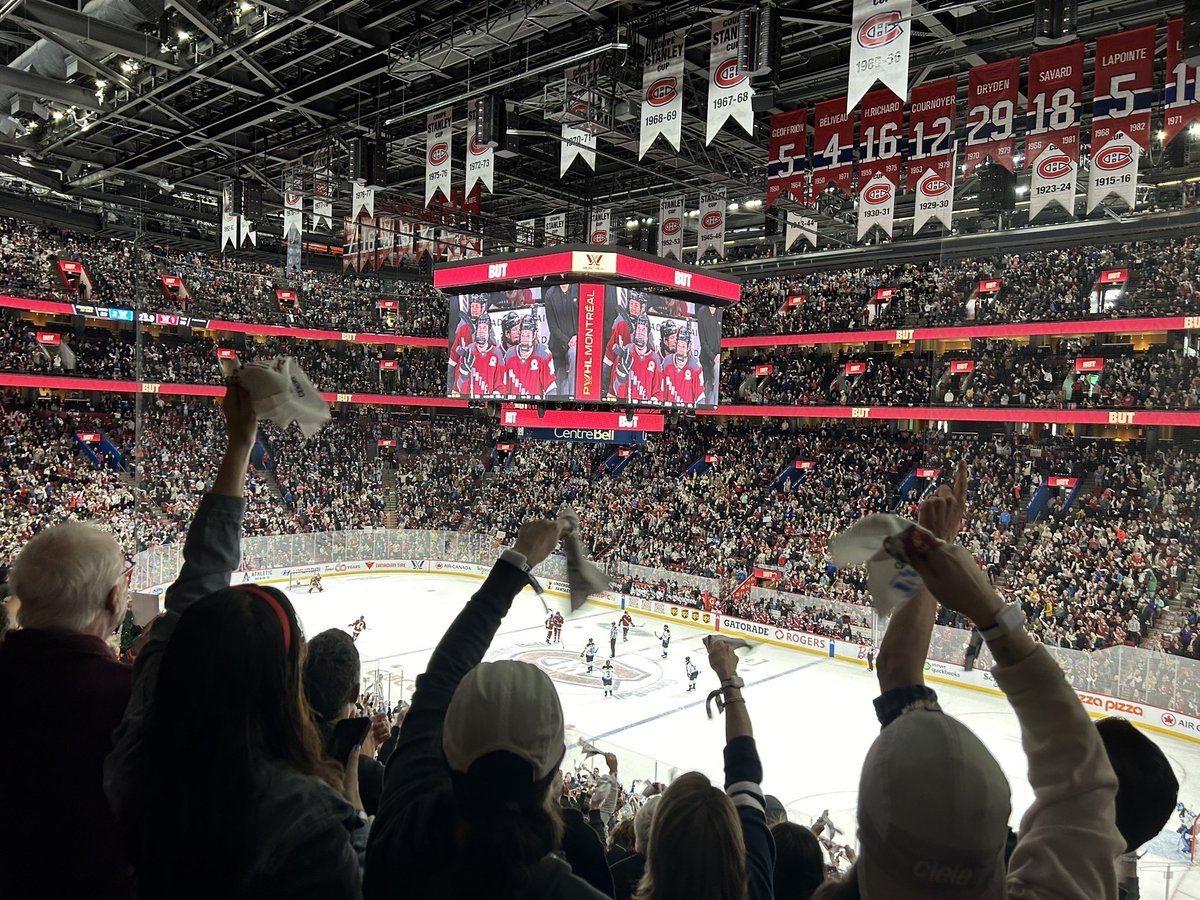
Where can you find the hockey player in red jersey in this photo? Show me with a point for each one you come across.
(682, 381)
(528, 370)
(622, 334)
(465, 333)
(480, 367)
(637, 372)
(509, 335)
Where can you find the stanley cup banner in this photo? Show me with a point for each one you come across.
(576, 144)
(293, 219)
(598, 226)
(324, 188)
(729, 93)
(876, 205)
(526, 231)
(1180, 109)
(1121, 99)
(662, 92)
(879, 38)
(480, 158)
(556, 229)
(712, 225)
(1055, 86)
(670, 227)
(229, 217)
(364, 200)
(799, 225)
(991, 110)
(932, 120)
(580, 143)
(1052, 180)
(833, 147)
(880, 136)
(785, 165)
(437, 155)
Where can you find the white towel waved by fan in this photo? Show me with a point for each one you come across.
(281, 393)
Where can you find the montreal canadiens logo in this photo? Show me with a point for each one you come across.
(662, 92)
(1114, 157)
(712, 220)
(600, 236)
(438, 154)
(1054, 166)
(880, 30)
(671, 227)
(476, 148)
(727, 74)
(880, 193)
(935, 186)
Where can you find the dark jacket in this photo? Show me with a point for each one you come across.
(370, 772)
(743, 777)
(584, 849)
(310, 838)
(411, 841)
(626, 874)
(562, 314)
(709, 326)
(62, 694)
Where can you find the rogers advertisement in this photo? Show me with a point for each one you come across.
(991, 108)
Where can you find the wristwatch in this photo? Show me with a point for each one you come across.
(518, 559)
(1009, 618)
(734, 682)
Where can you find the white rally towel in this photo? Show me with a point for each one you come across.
(583, 577)
(281, 393)
(891, 583)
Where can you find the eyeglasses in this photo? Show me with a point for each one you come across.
(130, 563)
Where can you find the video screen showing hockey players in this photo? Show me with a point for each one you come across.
(660, 351)
(500, 348)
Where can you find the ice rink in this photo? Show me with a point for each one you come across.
(812, 715)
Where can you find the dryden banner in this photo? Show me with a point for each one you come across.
(799, 225)
(599, 225)
(991, 111)
(662, 92)
(481, 158)
(932, 119)
(1055, 86)
(670, 227)
(785, 166)
(437, 155)
(833, 147)
(1121, 102)
(729, 92)
(876, 205)
(712, 225)
(879, 38)
(1180, 106)
(879, 137)
(556, 229)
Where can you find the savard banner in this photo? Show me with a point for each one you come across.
(1052, 127)
(785, 165)
(437, 155)
(662, 92)
(833, 147)
(991, 111)
(932, 120)
(670, 227)
(879, 40)
(1123, 94)
(729, 93)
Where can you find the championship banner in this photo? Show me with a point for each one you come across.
(526, 231)
(324, 189)
(556, 229)
(879, 39)
(293, 219)
(1180, 108)
(364, 200)
(729, 93)
(437, 155)
(481, 158)
(991, 107)
(833, 147)
(711, 227)
(1055, 86)
(662, 92)
(1053, 180)
(576, 144)
(785, 165)
(799, 226)
(229, 218)
(580, 143)
(1121, 102)
(598, 226)
(670, 227)
(931, 158)
(879, 137)
(876, 205)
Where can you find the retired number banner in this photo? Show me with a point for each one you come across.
(437, 155)
(670, 227)
(833, 147)
(879, 39)
(729, 93)
(712, 224)
(1121, 101)
(599, 225)
(785, 167)
(932, 119)
(1180, 106)
(1052, 126)
(991, 110)
(662, 92)
(879, 136)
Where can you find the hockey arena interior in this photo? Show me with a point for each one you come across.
(555, 449)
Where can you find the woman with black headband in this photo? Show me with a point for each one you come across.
(218, 778)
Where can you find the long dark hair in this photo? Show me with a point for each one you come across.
(229, 697)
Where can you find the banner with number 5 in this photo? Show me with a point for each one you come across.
(785, 167)
(991, 109)
(1121, 102)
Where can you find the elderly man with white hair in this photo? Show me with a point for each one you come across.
(62, 693)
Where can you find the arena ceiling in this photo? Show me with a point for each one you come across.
(150, 107)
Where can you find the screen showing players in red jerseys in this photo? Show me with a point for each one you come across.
(501, 347)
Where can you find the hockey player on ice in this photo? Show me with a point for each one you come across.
(549, 628)
(692, 672)
(638, 366)
(359, 625)
(528, 369)
(606, 678)
(681, 381)
(612, 640)
(626, 624)
(588, 654)
(314, 584)
(480, 366)
(665, 637)
(558, 624)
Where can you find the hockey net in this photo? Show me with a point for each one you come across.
(299, 580)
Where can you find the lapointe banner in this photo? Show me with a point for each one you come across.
(833, 147)
(670, 227)
(437, 155)
(785, 165)
(1180, 108)
(800, 225)
(662, 92)
(879, 137)
(1121, 102)
(556, 229)
(481, 158)
(711, 227)
(876, 205)
(598, 227)
(729, 92)
(932, 120)
(991, 112)
(879, 43)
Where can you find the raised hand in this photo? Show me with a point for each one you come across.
(537, 540)
(942, 513)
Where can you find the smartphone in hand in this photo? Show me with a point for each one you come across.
(347, 734)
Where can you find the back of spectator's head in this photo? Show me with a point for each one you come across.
(775, 810)
(331, 674)
(70, 577)
(799, 863)
(696, 849)
(622, 835)
(642, 823)
(932, 813)
(1147, 788)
